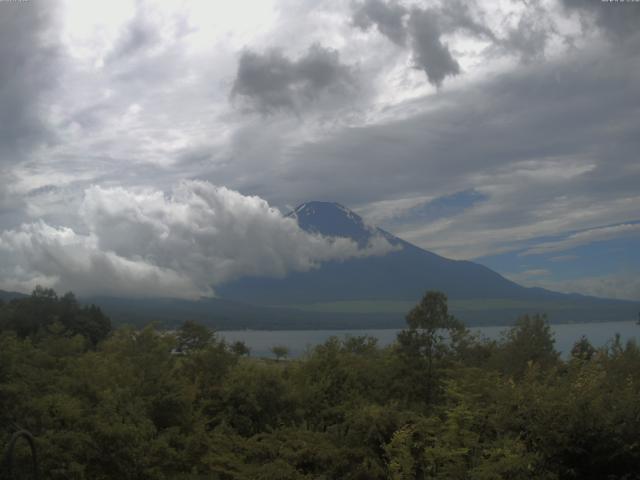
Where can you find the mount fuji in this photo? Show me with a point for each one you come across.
(402, 274)
(363, 292)
(393, 282)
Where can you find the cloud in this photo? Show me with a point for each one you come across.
(271, 82)
(536, 272)
(549, 149)
(148, 243)
(60, 257)
(29, 60)
(550, 142)
(617, 19)
(383, 211)
(137, 35)
(387, 17)
(466, 16)
(584, 238)
(423, 29)
(10, 205)
(527, 276)
(429, 52)
(529, 37)
(564, 258)
(620, 285)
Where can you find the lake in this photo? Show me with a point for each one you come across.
(298, 341)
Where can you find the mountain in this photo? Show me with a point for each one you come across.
(335, 220)
(7, 296)
(403, 274)
(362, 293)
(395, 281)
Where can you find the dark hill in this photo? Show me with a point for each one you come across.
(7, 296)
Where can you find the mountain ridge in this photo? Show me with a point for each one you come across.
(7, 296)
(400, 275)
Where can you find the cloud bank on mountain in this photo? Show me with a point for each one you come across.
(181, 244)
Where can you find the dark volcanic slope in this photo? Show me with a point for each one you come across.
(399, 275)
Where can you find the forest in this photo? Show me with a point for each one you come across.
(144, 403)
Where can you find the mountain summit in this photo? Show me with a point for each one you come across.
(334, 220)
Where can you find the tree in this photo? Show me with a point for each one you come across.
(88, 321)
(193, 336)
(280, 351)
(240, 348)
(46, 314)
(529, 341)
(583, 349)
(430, 326)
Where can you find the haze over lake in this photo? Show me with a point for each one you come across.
(299, 341)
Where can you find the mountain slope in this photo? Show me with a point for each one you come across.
(7, 296)
(390, 284)
(400, 275)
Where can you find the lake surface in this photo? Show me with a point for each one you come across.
(299, 341)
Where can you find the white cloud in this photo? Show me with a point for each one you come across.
(621, 285)
(584, 238)
(536, 272)
(521, 204)
(563, 258)
(182, 244)
(61, 257)
(388, 210)
(527, 276)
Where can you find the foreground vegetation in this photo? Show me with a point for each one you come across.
(439, 403)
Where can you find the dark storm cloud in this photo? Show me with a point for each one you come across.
(458, 15)
(618, 19)
(28, 62)
(568, 113)
(528, 39)
(391, 19)
(421, 27)
(271, 82)
(387, 17)
(422, 30)
(429, 53)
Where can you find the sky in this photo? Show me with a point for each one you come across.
(153, 148)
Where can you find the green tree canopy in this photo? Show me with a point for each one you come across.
(280, 351)
(45, 313)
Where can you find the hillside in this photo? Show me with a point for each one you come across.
(399, 275)
(392, 282)
(6, 296)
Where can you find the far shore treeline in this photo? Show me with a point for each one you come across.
(145, 403)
